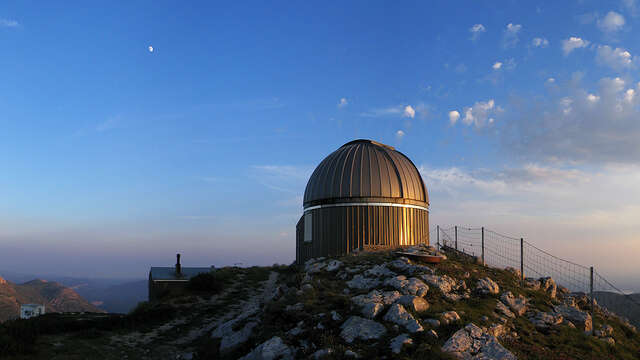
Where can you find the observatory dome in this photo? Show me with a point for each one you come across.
(366, 170)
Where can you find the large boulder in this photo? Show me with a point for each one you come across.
(271, 349)
(360, 328)
(486, 286)
(397, 314)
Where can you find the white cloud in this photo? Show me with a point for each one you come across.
(573, 124)
(109, 124)
(399, 134)
(510, 37)
(540, 42)
(593, 98)
(573, 43)
(481, 113)
(409, 112)
(343, 103)
(8, 23)
(551, 81)
(612, 22)
(617, 58)
(631, 6)
(476, 30)
(497, 65)
(150, 48)
(454, 115)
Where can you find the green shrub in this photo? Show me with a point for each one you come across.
(207, 282)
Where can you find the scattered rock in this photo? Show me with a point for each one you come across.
(333, 265)
(581, 319)
(443, 283)
(335, 316)
(314, 267)
(432, 333)
(604, 331)
(297, 330)
(497, 330)
(501, 308)
(360, 328)
(514, 271)
(371, 310)
(322, 353)
(397, 314)
(399, 341)
(544, 320)
(405, 265)
(362, 282)
(307, 287)
(377, 296)
(411, 286)
(414, 303)
(517, 304)
(449, 317)
(271, 349)
(379, 271)
(473, 342)
(532, 283)
(350, 353)
(549, 286)
(487, 286)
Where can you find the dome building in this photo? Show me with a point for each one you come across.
(365, 195)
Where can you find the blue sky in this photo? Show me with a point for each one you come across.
(521, 116)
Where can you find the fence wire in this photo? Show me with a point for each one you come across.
(503, 251)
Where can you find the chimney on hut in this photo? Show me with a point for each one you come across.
(178, 266)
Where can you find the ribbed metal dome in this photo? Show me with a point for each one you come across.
(366, 170)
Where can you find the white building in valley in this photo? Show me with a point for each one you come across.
(31, 310)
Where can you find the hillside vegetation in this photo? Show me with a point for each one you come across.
(368, 305)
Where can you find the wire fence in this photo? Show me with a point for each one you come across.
(502, 251)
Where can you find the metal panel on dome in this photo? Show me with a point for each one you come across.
(365, 169)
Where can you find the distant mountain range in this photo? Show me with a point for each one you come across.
(55, 296)
(111, 295)
(622, 304)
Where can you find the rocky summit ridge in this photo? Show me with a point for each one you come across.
(382, 305)
(367, 305)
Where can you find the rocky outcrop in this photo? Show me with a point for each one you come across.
(474, 342)
(362, 282)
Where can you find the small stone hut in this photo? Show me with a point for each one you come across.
(164, 281)
(364, 195)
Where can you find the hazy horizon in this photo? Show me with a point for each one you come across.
(131, 132)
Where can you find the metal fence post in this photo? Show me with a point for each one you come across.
(483, 263)
(456, 237)
(438, 236)
(593, 312)
(522, 261)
